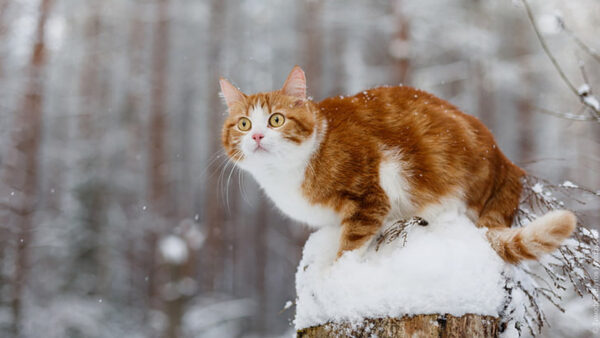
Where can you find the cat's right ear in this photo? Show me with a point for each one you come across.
(295, 85)
(230, 93)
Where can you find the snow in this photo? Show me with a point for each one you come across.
(592, 101)
(445, 267)
(173, 249)
(538, 188)
(584, 89)
(585, 92)
(569, 184)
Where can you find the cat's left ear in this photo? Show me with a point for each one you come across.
(230, 93)
(295, 85)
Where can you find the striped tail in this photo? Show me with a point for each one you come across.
(542, 236)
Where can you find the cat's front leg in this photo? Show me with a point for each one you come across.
(363, 218)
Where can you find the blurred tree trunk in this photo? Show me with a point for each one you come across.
(21, 166)
(213, 209)
(480, 66)
(313, 46)
(181, 282)
(400, 48)
(90, 189)
(133, 120)
(261, 247)
(158, 119)
(526, 96)
(338, 80)
(434, 325)
(157, 155)
(3, 29)
(485, 96)
(4, 231)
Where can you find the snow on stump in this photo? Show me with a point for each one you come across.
(439, 280)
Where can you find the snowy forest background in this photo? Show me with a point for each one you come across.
(119, 216)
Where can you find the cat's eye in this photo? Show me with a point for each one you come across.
(244, 124)
(276, 120)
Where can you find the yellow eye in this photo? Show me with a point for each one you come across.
(276, 120)
(244, 124)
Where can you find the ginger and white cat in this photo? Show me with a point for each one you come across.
(385, 153)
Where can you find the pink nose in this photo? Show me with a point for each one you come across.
(257, 137)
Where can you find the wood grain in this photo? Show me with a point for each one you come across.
(419, 326)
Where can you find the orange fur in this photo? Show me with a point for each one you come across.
(443, 151)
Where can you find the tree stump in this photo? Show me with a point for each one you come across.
(469, 325)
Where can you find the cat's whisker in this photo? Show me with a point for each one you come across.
(219, 167)
(222, 179)
(243, 191)
(233, 168)
(217, 155)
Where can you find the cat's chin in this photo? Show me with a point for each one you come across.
(254, 161)
(260, 149)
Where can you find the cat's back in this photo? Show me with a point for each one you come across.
(394, 109)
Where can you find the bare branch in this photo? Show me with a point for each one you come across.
(584, 96)
(568, 116)
(591, 51)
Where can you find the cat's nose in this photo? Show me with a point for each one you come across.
(257, 137)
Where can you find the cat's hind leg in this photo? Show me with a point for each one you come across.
(500, 208)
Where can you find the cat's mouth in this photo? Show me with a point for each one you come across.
(260, 148)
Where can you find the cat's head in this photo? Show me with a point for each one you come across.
(269, 130)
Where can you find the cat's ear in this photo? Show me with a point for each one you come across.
(295, 85)
(230, 93)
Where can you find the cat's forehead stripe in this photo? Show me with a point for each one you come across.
(260, 101)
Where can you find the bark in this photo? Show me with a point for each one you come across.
(21, 167)
(434, 325)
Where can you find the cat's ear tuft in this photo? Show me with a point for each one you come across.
(295, 85)
(230, 93)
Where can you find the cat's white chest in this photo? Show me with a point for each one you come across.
(285, 190)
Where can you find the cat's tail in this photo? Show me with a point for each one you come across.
(543, 235)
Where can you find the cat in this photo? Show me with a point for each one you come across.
(384, 154)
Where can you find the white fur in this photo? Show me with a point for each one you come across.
(451, 204)
(392, 179)
(281, 169)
